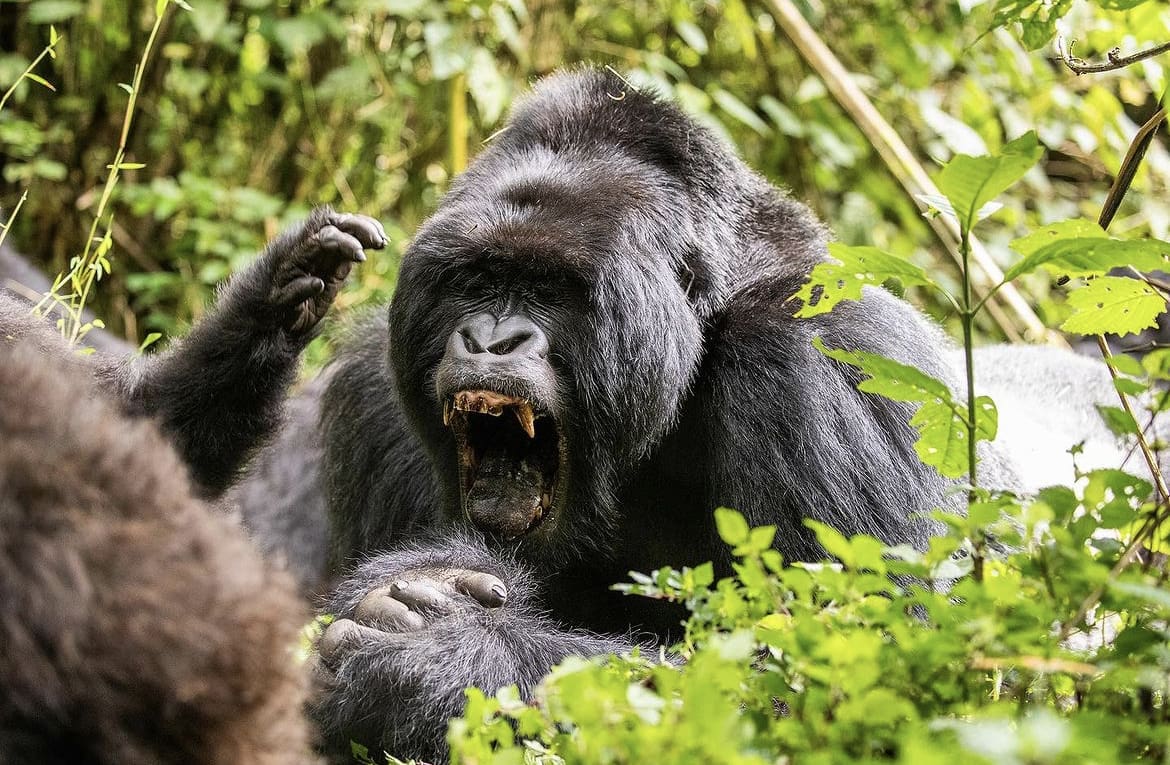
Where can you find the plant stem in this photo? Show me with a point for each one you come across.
(48, 51)
(967, 317)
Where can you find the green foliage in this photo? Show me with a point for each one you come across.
(834, 662)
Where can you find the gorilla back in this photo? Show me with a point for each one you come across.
(591, 348)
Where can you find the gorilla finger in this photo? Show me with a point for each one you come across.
(367, 230)
(334, 239)
(298, 291)
(422, 597)
(487, 590)
(381, 609)
(343, 636)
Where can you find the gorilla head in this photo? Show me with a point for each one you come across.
(561, 308)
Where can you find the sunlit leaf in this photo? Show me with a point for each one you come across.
(1113, 305)
(851, 270)
(969, 183)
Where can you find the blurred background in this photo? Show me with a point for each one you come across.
(252, 111)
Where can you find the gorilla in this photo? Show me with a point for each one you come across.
(218, 393)
(592, 346)
(139, 627)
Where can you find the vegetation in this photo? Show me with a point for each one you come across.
(1033, 631)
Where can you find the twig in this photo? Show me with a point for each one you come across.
(1114, 59)
(905, 167)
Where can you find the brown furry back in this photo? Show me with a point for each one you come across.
(135, 625)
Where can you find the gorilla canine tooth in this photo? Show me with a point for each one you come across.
(523, 412)
(447, 406)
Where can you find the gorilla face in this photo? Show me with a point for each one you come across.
(545, 340)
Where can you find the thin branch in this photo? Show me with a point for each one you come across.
(1113, 59)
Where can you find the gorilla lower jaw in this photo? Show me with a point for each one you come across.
(508, 464)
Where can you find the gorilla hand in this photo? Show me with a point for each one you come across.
(313, 262)
(414, 628)
(412, 602)
(218, 392)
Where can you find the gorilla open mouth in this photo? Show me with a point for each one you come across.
(509, 458)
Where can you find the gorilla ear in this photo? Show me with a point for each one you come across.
(704, 282)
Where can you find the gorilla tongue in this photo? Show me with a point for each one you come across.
(506, 495)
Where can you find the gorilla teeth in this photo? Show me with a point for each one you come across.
(491, 403)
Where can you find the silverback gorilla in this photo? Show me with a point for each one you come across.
(591, 347)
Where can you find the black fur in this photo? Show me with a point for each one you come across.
(659, 269)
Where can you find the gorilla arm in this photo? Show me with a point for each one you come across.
(416, 626)
(217, 393)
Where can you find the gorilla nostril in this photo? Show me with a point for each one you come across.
(470, 344)
(509, 344)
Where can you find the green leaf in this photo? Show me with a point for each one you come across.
(971, 182)
(1091, 256)
(833, 541)
(1073, 228)
(1155, 596)
(855, 267)
(488, 87)
(739, 110)
(1037, 18)
(40, 81)
(691, 35)
(1113, 305)
(940, 421)
(732, 527)
(1118, 420)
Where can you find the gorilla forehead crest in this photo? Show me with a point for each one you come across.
(556, 304)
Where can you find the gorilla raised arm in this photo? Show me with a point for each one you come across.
(591, 347)
(217, 393)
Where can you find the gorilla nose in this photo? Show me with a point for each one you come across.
(507, 337)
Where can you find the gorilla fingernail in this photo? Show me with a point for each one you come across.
(401, 585)
(500, 592)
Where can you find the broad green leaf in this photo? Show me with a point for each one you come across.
(832, 540)
(1073, 228)
(488, 87)
(941, 204)
(971, 182)
(1091, 256)
(49, 11)
(1155, 596)
(1113, 305)
(855, 267)
(941, 420)
(732, 527)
